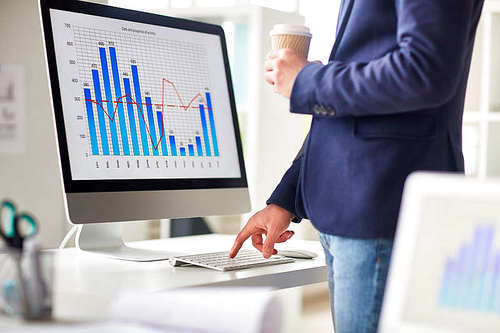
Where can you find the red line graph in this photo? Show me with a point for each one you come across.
(163, 83)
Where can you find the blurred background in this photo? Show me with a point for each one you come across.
(29, 172)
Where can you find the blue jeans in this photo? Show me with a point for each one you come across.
(357, 271)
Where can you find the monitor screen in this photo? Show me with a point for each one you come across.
(143, 101)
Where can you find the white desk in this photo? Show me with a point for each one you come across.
(85, 284)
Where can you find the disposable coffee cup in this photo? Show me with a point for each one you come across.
(288, 36)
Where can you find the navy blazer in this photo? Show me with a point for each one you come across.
(389, 102)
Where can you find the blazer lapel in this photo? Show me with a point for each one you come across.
(343, 23)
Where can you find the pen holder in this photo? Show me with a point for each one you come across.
(26, 283)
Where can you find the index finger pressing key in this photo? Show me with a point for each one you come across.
(240, 239)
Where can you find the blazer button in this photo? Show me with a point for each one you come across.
(322, 110)
(332, 112)
(316, 109)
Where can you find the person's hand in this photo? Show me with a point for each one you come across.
(271, 221)
(282, 67)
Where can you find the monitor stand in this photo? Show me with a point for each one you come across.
(106, 239)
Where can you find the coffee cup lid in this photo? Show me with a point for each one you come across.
(290, 29)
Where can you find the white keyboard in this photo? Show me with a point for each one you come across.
(221, 262)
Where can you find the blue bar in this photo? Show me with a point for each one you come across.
(100, 113)
(212, 124)
(183, 151)
(455, 283)
(172, 145)
(446, 284)
(161, 132)
(464, 263)
(495, 288)
(119, 100)
(140, 110)
(191, 150)
(90, 119)
(205, 130)
(489, 284)
(152, 130)
(131, 117)
(472, 277)
(198, 146)
(109, 98)
(485, 260)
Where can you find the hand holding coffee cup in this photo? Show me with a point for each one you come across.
(288, 57)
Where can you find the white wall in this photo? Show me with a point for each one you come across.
(322, 20)
(32, 178)
(274, 134)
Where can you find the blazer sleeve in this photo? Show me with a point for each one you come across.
(420, 73)
(285, 194)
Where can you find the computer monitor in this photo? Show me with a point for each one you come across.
(445, 267)
(145, 119)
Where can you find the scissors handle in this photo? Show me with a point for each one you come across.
(25, 225)
(17, 227)
(7, 217)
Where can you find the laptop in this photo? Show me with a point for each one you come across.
(445, 271)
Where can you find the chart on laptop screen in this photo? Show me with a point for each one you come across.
(470, 278)
(455, 278)
(143, 101)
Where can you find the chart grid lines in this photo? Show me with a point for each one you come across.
(177, 114)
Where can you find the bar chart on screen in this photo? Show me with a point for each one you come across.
(126, 118)
(470, 278)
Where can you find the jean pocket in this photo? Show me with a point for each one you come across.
(324, 239)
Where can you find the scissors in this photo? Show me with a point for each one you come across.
(15, 227)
